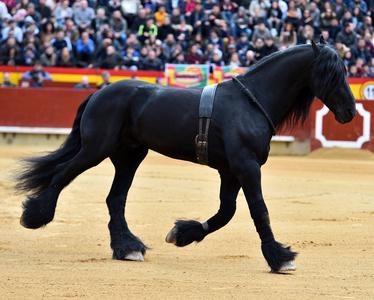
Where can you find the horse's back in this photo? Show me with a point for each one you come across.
(161, 118)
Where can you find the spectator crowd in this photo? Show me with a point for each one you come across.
(146, 34)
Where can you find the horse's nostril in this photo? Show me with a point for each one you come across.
(351, 112)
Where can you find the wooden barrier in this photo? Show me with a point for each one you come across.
(53, 84)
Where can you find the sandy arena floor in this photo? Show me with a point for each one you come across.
(322, 205)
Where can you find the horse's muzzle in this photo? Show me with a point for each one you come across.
(346, 116)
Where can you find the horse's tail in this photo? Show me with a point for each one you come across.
(38, 172)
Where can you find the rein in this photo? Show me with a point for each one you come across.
(255, 101)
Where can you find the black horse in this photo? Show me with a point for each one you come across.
(129, 117)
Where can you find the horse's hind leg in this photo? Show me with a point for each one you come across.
(124, 244)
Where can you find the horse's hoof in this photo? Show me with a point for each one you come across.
(135, 256)
(287, 266)
(172, 236)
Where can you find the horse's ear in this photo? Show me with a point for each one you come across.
(315, 49)
(322, 40)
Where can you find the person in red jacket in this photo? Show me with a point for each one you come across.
(193, 57)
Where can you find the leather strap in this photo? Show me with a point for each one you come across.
(205, 114)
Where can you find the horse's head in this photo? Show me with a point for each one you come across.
(329, 82)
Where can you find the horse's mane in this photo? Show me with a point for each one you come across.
(327, 73)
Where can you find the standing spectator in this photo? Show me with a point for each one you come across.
(63, 11)
(6, 80)
(85, 50)
(193, 57)
(118, 25)
(48, 58)
(106, 80)
(65, 59)
(84, 84)
(152, 63)
(83, 16)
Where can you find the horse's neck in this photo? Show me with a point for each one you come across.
(277, 81)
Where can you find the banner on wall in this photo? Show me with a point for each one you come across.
(226, 72)
(187, 76)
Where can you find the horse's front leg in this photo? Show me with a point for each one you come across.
(186, 232)
(277, 256)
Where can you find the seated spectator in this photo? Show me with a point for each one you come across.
(293, 14)
(65, 59)
(326, 19)
(269, 47)
(37, 69)
(178, 49)
(306, 35)
(288, 37)
(48, 58)
(147, 30)
(183, 34)
(368, 42)
(168, 46)
(83, 85)
(35, 15)
(326, 37)
(347, 18)
(334, 29)
(240, 23)
(139, 20)
(263, 5)
(243, 45)
(165, 29)
(132, 41)
(193, 57)
(160, 54)
(347, 36)
(367, 25)
(30, 54)
(85, 50)
(152, 63)
(118, 25)
(100, 20)
(315, 13)
(348, 58)
(38, 81)
(250, 59)
(360, 50)
(179, 59)
(10, 53)
(357, 15)
(341, 49)
(216, 60)
(274, 17)
(352, 71)
(261, 32)
(106, 80)
(131, 59)
(83, 16)
(215, 40)
(173, 4)
(189, 7)
(160, 14)
(217, 20)
(71, 31)
(113, 60)
(17, 31)
(44, 10)
(228, 8)
(61, 41)
(197, 18)
(208, 53)
(62, 12)
(48, 32)
(234, 61)
(6, 81)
